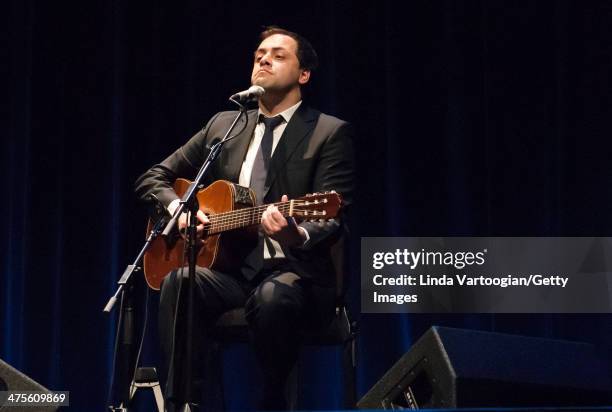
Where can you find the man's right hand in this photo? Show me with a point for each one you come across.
(182, 224)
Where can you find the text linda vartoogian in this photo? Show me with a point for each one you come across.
(457, 260)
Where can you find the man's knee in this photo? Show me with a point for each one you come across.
(180, 277)
(277, 298)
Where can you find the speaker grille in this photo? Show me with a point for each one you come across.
(13, 380)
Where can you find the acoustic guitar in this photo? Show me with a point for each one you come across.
(232, 231)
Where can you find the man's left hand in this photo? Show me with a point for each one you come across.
(284, 231)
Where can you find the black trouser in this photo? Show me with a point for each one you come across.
(279, 305)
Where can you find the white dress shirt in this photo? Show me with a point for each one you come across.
(249, 160)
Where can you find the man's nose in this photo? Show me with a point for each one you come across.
(265, 60)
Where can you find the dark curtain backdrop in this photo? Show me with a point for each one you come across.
(473, 118)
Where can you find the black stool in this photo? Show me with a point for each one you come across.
(147, 378)
(231, 328)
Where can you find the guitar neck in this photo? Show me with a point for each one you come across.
(240, 218)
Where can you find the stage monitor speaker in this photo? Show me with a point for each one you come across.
(456, 368)
(13, 380)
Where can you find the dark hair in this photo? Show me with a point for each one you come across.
(306, 54)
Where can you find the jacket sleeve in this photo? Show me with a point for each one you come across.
(184, 162)
(335, 171)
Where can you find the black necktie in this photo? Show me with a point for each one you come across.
(262, 159)
(254, 261)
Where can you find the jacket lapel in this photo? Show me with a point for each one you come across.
(236, 149)
(301, 124)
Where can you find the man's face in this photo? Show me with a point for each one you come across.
(276, 67)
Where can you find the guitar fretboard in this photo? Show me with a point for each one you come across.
(250, 216)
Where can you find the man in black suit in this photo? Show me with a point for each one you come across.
(286, 150)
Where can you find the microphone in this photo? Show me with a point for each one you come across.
(252, 93)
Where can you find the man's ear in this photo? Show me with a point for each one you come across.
(304, 76)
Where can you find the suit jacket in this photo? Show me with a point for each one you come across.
(315, 153)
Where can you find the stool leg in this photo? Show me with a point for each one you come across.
(348, 372)
(159, 397)
(292, 387)
(214, 396)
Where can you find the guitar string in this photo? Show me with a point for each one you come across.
(250, 216)
(231, 212)
(226, 220)
(214, 229)
(301, 201)
(248, 213)
(239, 214)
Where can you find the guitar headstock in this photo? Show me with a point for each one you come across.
(316, 206)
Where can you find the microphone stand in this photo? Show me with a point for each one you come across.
(189, 203)
(124, 348)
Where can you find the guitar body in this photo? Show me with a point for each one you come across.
(222, 251)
